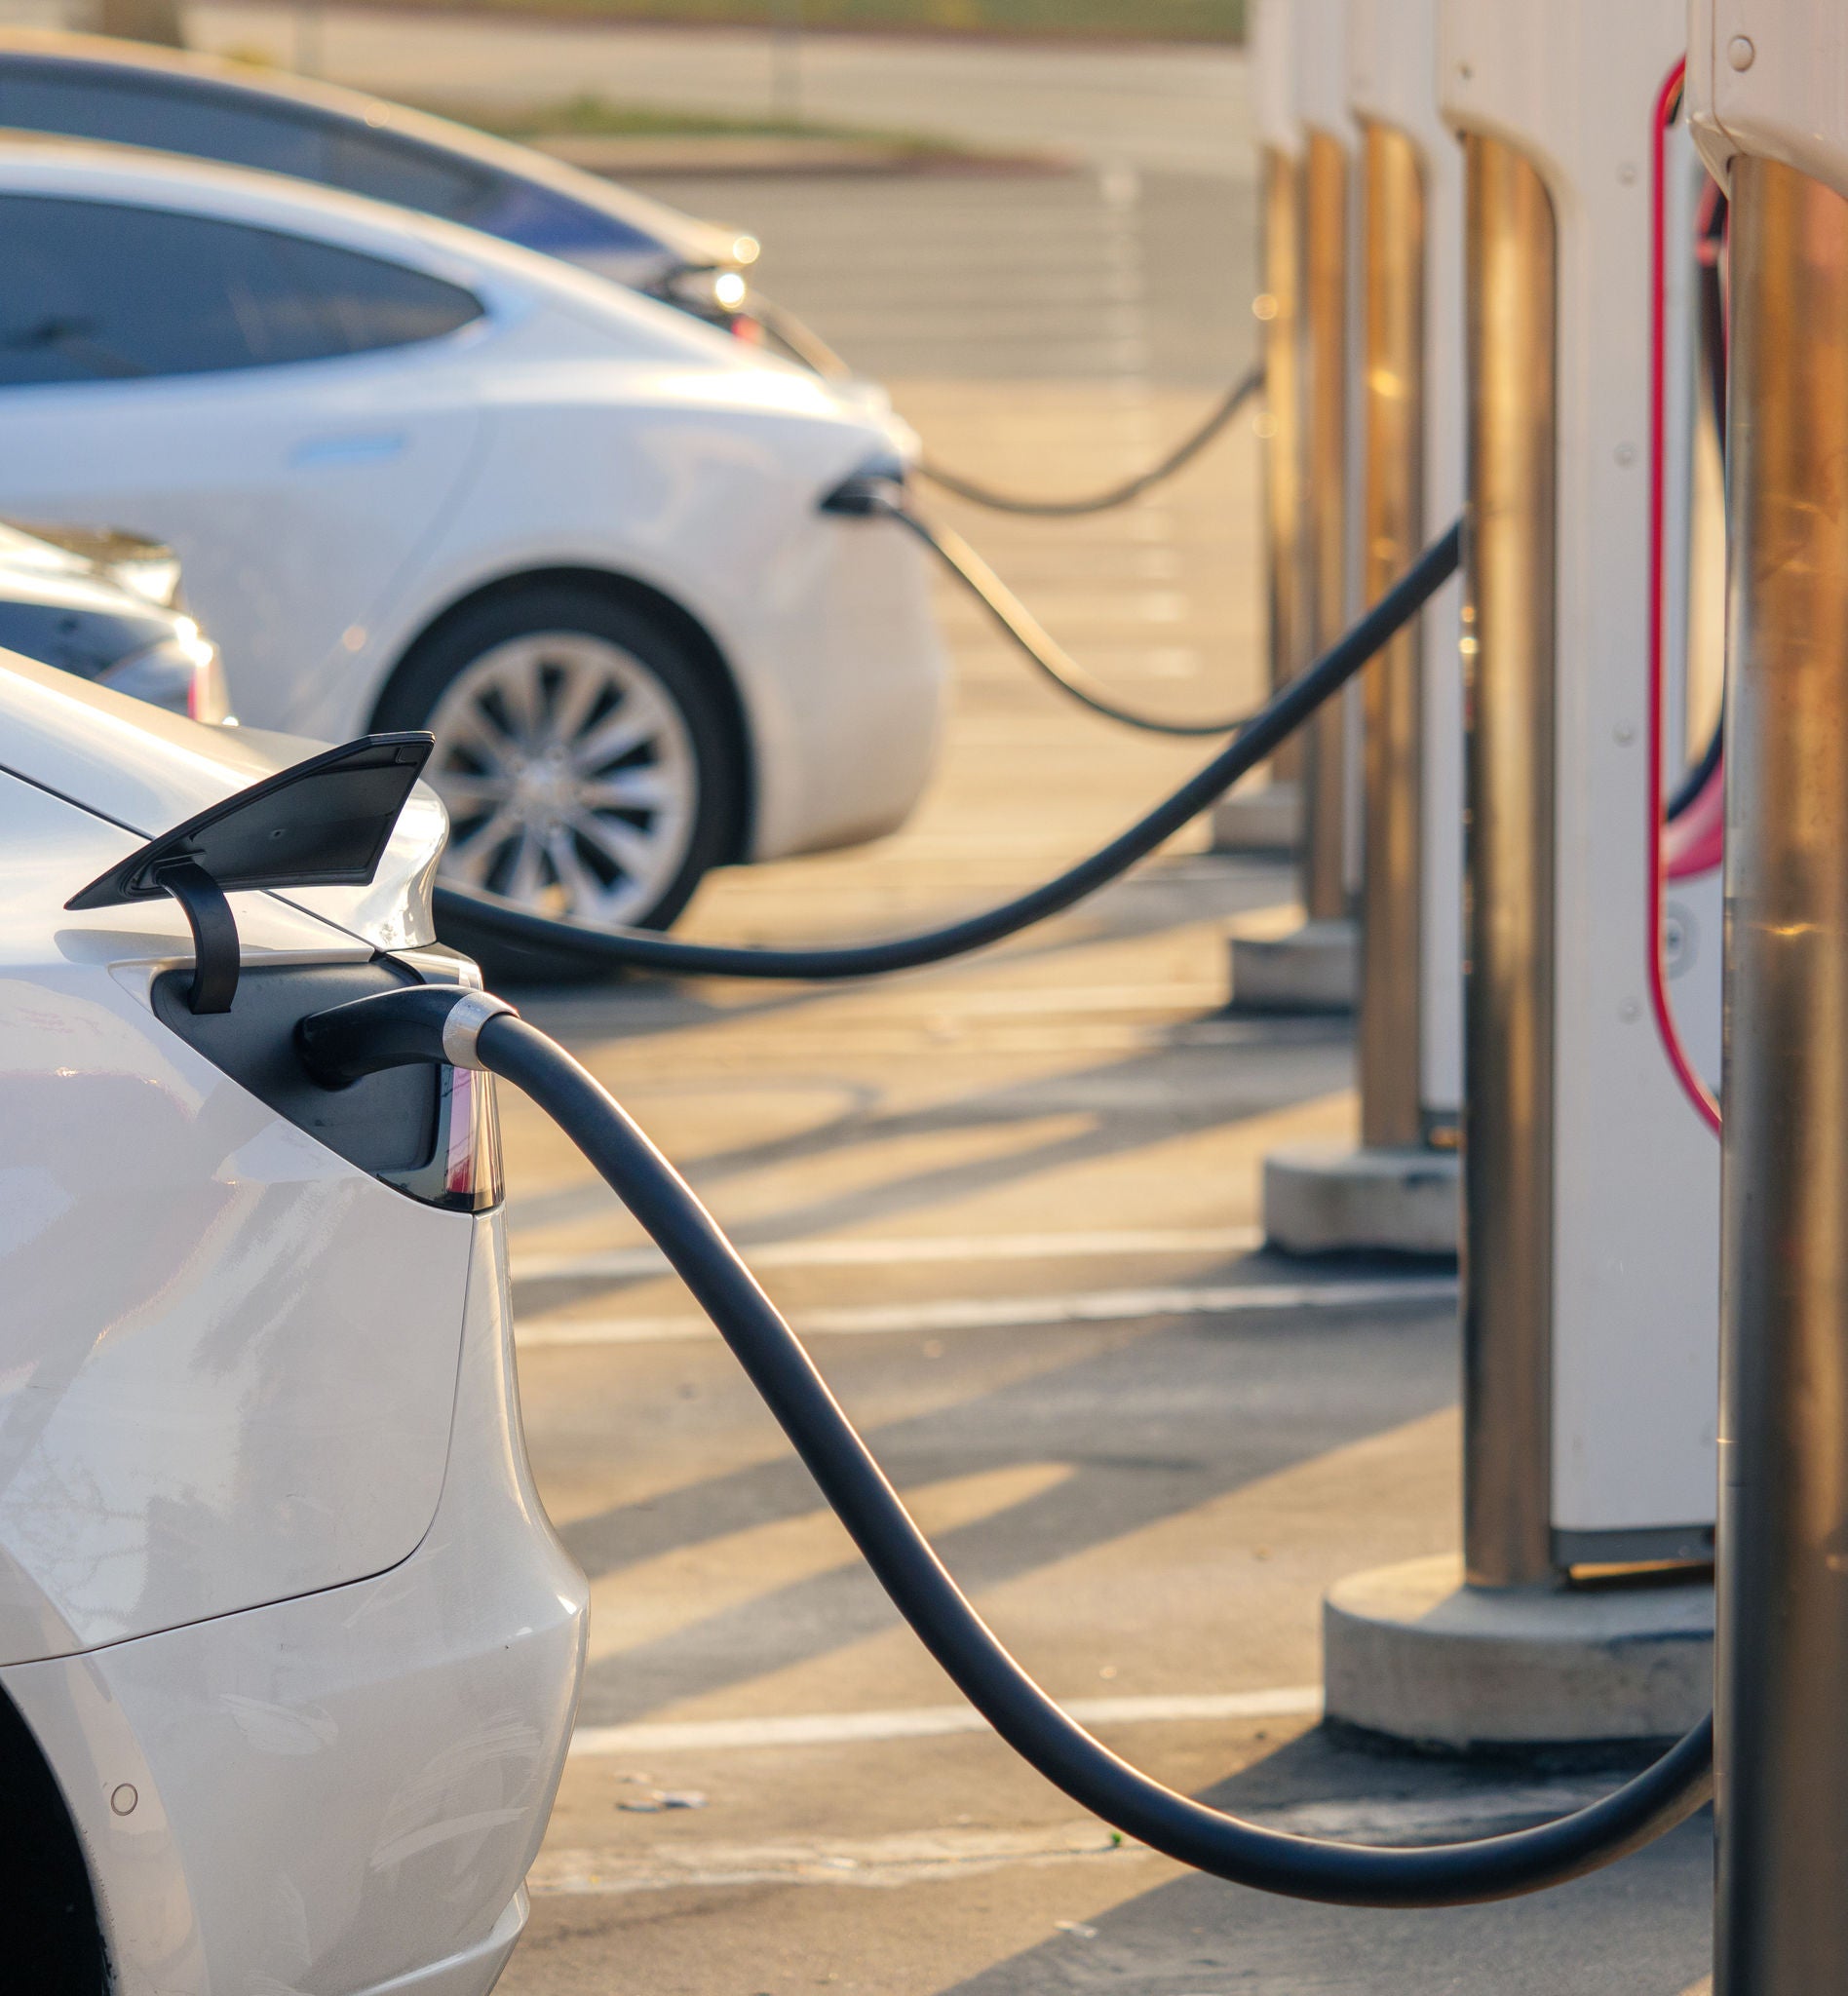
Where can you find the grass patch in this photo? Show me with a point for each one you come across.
(1141, 21)
(597, 118)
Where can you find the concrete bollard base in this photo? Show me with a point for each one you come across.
(1327, 1201)
(1257, 817)
(1315, 968)
(1412, 1653)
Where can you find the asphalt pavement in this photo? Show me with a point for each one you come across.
(1162, 106)
(1012, 1203)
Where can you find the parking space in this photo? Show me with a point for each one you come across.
(1012, 1202)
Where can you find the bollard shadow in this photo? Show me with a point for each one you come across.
(1180, 892)
(1638, 1928)
(1195, 1410)
(1175, 1089)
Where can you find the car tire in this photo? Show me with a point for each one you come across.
(590, 764)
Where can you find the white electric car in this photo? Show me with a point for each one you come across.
(243, 115)
(420, 476)
(288, 1653)
(106, 607)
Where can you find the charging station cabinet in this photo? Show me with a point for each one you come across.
(1592, 1182)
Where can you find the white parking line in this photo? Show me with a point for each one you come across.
(932, 1856)
(1003, 1313)
(917, 1858)
(618, 1262)
(926, 1722)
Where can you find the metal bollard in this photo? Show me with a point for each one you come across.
(1782, 1656)
(1508, 614)
(1300, 56)
(1393, 527)
(1328, 232)
(1266, 815)
(1398, 1191)
(1591, 1182)
(1281, 305)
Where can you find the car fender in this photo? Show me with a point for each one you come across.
(721, 519)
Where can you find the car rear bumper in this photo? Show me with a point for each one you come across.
(340, 1792)
(850, 690)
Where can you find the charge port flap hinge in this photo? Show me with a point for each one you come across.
(322, 822)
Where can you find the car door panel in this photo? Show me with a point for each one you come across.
(296, 498)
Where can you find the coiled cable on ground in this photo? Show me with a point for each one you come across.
(440, 1026)
(1272, 724)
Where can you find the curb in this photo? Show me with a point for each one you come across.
(621, 158)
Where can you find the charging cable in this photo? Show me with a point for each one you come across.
(1041, 648)
(1184, 454)
(474, 1029)
(1272, 724)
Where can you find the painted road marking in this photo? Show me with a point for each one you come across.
(1010, 1312)
(618, 1262)
(922, 1857)
(926, 1722)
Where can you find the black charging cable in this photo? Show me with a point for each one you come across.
(1267, 729)
(1218, 418)
(1048, 656)
(473, 1029)
(801, 343)
(1698, 775)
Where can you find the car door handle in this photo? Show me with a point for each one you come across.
(377, 446)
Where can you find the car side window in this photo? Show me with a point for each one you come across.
(364, 303)
(168, 114)
(101, 290)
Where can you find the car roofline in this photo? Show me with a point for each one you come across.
(703, 245)
(507, 277)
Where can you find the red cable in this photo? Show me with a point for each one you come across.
(1695, 1089)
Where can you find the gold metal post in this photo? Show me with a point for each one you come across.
(1783, 1648)
(1324, 403)
(1283, 451)
(1393, 530)
(1507, 626)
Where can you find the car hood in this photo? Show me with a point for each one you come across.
(146, 771)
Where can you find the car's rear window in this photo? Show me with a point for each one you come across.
(100, 290)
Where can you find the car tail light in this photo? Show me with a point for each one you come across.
(429, 1133)
(183, 674)
(463, 1170)
(469, 1140)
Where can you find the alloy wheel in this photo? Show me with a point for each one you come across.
(570, 778)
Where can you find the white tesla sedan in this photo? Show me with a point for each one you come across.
(288, 1653)
(421, 477)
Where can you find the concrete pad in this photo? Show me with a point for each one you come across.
(1331, 1201)
(1257, 817)
(1411, 1652)
(1313, 969)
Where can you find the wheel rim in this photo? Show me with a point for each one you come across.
(570, 777)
